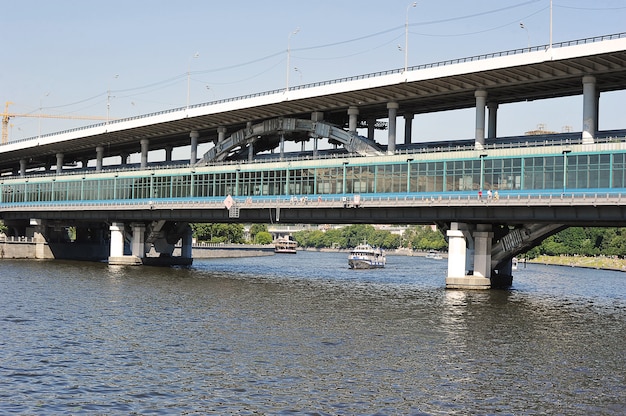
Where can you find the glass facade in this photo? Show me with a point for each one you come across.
(597, 171)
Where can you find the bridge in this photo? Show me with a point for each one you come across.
(532, 186)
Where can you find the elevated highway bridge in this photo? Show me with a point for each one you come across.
(538, 185)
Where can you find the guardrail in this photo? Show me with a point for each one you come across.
(335, 202)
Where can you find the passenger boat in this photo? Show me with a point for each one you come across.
(285, 245)
(364, 256)
(433, 254)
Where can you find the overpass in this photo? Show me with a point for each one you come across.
(543, 183)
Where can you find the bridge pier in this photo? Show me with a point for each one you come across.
(471, 271)
(481, 102)
(590, 109)
(392, 107)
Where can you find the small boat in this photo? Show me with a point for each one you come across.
(285, 245)
(434, 254)
(364, 256)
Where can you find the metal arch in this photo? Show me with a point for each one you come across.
(352, 142)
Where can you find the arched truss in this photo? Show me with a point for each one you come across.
(266, 135)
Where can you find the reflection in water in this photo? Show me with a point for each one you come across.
(306, 335)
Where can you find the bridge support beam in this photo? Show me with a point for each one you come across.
(353, 118)
(459, 277)
(408, 127)
(116, 254)
(481, 102)
(59, 162)
(99, 157)
(193, 158)
(393, 113)
(493, 120)
(590, 109)
(145, 145)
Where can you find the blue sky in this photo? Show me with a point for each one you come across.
(64, 55)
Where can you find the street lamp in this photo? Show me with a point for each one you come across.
(41, 110)
(189, 75)
(521, 25)
(406, 35)
(289, 55)
(116, 76)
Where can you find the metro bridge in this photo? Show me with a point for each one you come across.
(538, 185)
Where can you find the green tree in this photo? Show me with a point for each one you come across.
(263, 237)
(3, 227)
(255, 229)
(218, 233)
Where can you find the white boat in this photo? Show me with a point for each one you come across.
(514, 263)
(434, 254)
(364, 256)
(285, 245)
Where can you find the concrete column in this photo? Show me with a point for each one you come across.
(84, 162)
(59, 162)
(193, 158)
(99, 157)
(353, 118)
(221, 134)
(282, 146)
(145, 144)
(481, 102)
(493, 119)
(408, 127)
(391, 139)
(250, 152)
(483, 238)
(168, 153)
(456, 251)
(117, 239)
(187, 243)
(124, 158)
(22, 167)
(589, 108)
(371, 128)
(138, 245)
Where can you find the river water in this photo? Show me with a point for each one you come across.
(303, 334)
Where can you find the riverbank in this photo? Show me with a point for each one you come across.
(600, 262)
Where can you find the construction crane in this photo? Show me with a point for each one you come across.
(6, 116)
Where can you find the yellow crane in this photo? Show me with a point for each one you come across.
(6, 116)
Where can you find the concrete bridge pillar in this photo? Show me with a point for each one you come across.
(194, 135)
(481, 102)
(59, 162)
(316, 116)
(221, 134)
(408, 127)
(483, 238)
(22, 167)
(456, 252)
(145, 147)
(187, 243)
(371, 127)
(590, 108)
(138, 246)
(493, 120)
(458, 276)
(117, 239)
(168, 153)
(99, 157)
(124, 158)
(391, 139)
(353, 118)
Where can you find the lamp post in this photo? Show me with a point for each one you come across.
(521, 25)
(41, 111)
(289, 55)
(189, 76)
(406, 35)
(116, 76)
